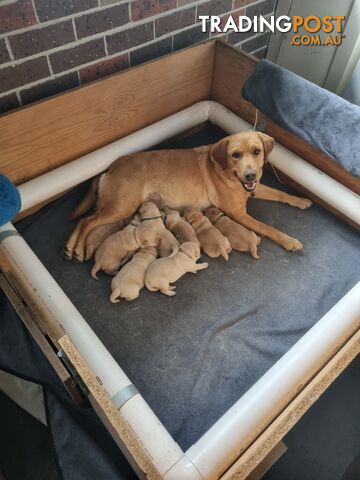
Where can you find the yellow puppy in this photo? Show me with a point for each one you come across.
(168, 246)
(239, 237)
(97, 236)
(177, 225)
(120, 245)
(151, 218)
(131, 278)
(167, 270)
(212, 241)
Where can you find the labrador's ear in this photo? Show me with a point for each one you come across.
(218, 153)
(268, 143)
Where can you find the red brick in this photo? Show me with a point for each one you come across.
(174, 21)
(214, 7)
(130, 37)
(189, 37)
(242, 3)
(9, 102)
(262, 8)
(49, 88)
(4, 54)
(104, 68)
(104, 20)
(72, 57)
(147, 8)
(255, 43)
(16, 15)
(154, 50)
(41, 39)
(23, 73)
(50, 9)
(224, 19)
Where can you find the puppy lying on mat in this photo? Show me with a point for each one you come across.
(224, 175)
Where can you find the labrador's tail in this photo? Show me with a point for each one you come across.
(88, 201)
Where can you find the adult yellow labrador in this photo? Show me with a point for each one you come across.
(224, 174)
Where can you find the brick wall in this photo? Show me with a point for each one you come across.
(49, 46)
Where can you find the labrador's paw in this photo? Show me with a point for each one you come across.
(303, 203)
(66, 253)
(78, 256)
(292, 245)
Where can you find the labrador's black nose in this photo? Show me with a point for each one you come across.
(250, 175)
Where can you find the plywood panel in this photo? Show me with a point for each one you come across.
(231, 70)
(50, 133)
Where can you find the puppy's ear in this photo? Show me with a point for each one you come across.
(268, 143)
(218, 153)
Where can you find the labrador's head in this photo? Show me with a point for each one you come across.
(244, 155)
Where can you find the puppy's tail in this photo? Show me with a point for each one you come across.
(94, 271)
(223, 253)
(88, 201)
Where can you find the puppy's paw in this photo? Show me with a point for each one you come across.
(292, 245)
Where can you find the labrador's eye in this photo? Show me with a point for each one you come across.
(236, 155)
(257, 151)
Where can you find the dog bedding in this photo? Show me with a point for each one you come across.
(320, 117)
(193, 355)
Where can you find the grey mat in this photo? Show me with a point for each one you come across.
(194, 355)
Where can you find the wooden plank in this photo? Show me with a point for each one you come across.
(295, 409)
(270, 460)
(50, 133)
(45, 321)
(109, 414)
(231, 69)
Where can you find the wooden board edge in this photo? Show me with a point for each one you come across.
(109, 414)
(281, 425)
(271, 458)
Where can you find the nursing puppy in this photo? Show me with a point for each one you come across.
(168, 246)
(182, 230)
(131, 278)
(239, 237)
(119, 246)
(151, 218)
(167, 270)
(97, 236)
(211, 240)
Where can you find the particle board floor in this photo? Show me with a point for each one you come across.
(192, 356)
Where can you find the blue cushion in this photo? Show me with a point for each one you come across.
(10, 200)
(314, 114)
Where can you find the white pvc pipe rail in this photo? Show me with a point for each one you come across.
(221, 445)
